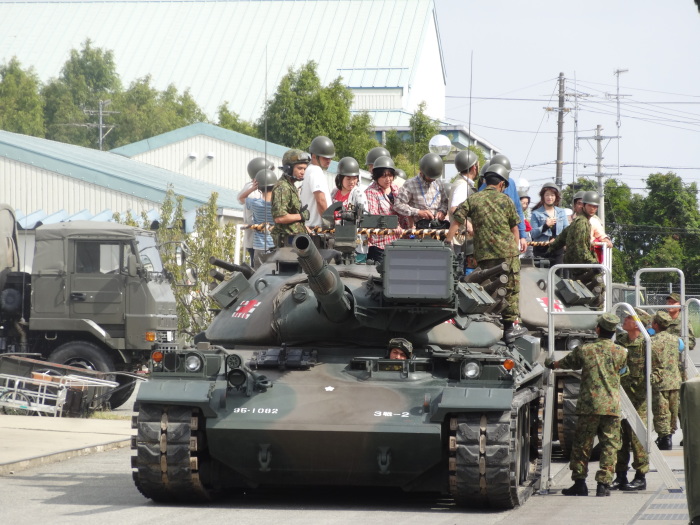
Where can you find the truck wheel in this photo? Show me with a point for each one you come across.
(82, 354)
(122, 395)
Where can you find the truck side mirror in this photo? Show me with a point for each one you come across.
(132, 266)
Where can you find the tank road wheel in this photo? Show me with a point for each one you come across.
(169, 447)
(492, 460)
(567, 396)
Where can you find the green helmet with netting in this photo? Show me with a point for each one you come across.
(431, 166)
(291, 158)
(257, 164)
(402, 344)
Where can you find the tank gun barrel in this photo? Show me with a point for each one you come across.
(246, 270)
(480, 275)
(494, 284)
(324, 280)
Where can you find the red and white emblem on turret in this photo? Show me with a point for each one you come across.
(544, 301)
(245, 309)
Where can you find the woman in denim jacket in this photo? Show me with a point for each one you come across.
(548, 220)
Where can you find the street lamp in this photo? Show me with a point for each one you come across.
(441, 145)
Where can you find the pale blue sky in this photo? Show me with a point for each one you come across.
(519, 49)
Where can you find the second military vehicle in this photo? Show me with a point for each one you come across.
(292, 383)
(90, 294)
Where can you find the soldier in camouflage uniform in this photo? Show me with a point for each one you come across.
(635, 385)
(577, 238)
(496, 238)
(665, 377)
(674, 328)
(287, 211)
(598, 406)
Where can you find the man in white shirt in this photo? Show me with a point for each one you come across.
(467, 164)
(314, 190)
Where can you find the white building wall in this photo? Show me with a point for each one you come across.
(207, 159)
(428, 82)
(31, 188)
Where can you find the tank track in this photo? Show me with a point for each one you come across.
(567, 396)
(168, 447)
(491, 458)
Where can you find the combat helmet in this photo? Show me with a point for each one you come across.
(266, 179)
(551, 186)
(591, 197)
(431, 166)
(347, 167)
(382, 163)
(578, 195)
(402, 344)
(374, 153)
(501, 159)
(465, 159)
(500, 171)
(322, 147)
(291, 158)
(257, 164)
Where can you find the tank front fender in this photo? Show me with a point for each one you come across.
(453, 400)
(174, 392)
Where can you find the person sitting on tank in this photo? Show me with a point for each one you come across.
(548, 221)
(380, 197)
(399, 348)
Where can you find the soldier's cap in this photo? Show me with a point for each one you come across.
(663, 319)
(608, 322)
(644, 317)
(675, 296)
(402, 344)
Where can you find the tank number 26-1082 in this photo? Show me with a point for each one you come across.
(380, 413)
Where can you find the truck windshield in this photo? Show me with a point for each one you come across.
(148, 251)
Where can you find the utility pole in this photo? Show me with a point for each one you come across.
(599, 168)
(560, 130)
(100, 126)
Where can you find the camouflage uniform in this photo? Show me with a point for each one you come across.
(635, 387)
(675, 329)
(493, 215)
(598, 405)
(665, 379)
(285, 200)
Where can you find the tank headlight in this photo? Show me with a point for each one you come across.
(236, 378)
(193, 363)
(471, 370)
(573, 342)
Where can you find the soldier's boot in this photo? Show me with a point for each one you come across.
(620, 482)
(664, 442)
(603, 489)
(511, 331)
(638, 483)
(579, 488)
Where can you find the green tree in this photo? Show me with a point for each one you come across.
(144, 112)
(302, 109)
(231, 120)
(88, 76)
(413, 145)
(21, 104)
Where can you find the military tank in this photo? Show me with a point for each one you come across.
(291, 383)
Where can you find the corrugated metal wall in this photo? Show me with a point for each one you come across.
(30, 188)
(206, 159)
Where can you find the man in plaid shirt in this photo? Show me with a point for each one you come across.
(424, 197)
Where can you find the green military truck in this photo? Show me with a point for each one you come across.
(90, 294)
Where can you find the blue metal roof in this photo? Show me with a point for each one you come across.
(108, 170)
(225, 50)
